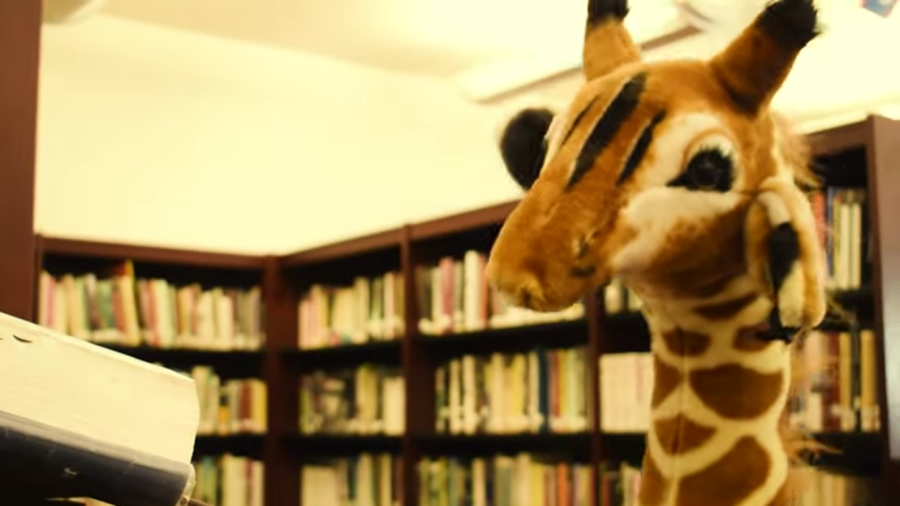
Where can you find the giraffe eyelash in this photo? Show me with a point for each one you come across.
(711, 167)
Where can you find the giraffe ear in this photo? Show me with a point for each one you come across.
(754, 66)
(523, 145)
(607, 43)
(786, 250)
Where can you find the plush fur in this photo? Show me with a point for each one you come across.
(675, 177)
(607, 43)
(755, 65)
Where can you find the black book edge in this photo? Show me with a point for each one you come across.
(39, 461)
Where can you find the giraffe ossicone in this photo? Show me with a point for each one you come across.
(677, 178)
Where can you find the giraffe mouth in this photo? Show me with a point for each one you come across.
(535, 296)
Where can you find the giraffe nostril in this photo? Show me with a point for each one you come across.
(525, 298)
(583, 271)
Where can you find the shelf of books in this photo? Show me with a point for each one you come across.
(384, 370)
(342, 351)
(200, 314)
(501, 402)
(511, 417)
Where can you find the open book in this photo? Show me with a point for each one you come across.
(79, 420)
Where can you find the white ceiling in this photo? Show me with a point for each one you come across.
(489, 48)
(432, 37)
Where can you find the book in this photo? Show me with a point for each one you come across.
(79, 420)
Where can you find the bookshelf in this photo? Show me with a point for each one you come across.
(195, 312)
(407, 337)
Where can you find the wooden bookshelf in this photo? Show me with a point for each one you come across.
(841, 153)
(20, 43)
(61, 256)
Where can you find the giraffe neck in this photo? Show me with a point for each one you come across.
(719, 393)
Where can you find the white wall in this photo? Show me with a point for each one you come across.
(158, 137)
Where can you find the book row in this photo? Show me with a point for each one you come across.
(543, 390)
(618, 485)
(363, 480)
(225, 480)
(368, 310)
(454, 296)
(520, 480)
(123, 310)
(838, 390)
(843, 226)
(539, 391)
(229, 480)
(367, 400)
(233, 406)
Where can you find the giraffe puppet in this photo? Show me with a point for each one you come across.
(676, 178)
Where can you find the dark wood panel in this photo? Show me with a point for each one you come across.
(57, 246)
(244, 445)
(304, 447)
(345, 356)
(351, 247)
(856, 453)
(594, 348)
(884, 184)
(20, 36)
(575, 445)
(282, 476)
(839, 139)
(506, 339)
(418, 379)
(492, 215)
(228, 364)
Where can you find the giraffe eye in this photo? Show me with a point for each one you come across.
(709, 169)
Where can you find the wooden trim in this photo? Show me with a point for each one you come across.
(883, 161)
(282, 477)
(36, 283)
(113, 251)
(594, 311)
(20, 39)
(492, 215)
(842, 138)
(350, 247)
(418, 372)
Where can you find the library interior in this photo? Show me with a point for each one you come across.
(526, 332)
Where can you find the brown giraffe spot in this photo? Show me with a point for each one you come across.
(727, 309)
(665, 380)
(690, 247)
(736, 392)
(747, 338)
(654, 486)
(729, 480)
(679, 434)
(686, 343)
(782, 497)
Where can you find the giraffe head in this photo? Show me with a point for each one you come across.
(672, 175)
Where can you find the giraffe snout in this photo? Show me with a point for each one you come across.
(517, 287)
